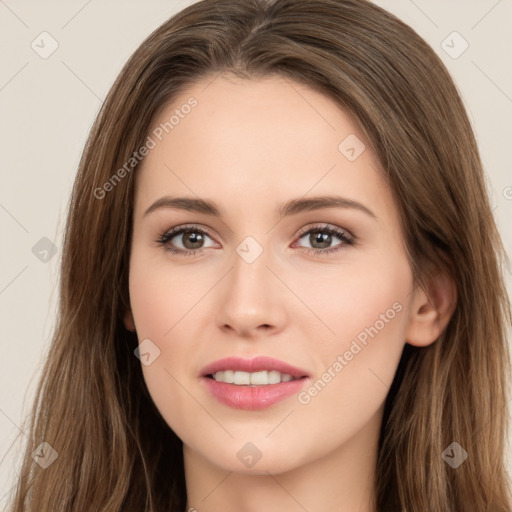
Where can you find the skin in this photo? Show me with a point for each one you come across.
(261, 143)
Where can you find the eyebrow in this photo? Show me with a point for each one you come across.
(292, 207)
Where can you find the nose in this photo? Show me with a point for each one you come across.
(252, 299)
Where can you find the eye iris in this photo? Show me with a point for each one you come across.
(194, 238)
(322, 238)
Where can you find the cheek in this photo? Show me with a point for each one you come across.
(364, 311)
(352, 299)
(166, 306)
(162, 296)
(368, 312)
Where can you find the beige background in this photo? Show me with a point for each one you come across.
(47, 107)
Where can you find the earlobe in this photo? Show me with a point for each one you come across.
(431, 312)
(129, 322)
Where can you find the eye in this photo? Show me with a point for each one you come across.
(191, 242)
(321, 237)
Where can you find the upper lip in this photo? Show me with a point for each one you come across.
(256, 364)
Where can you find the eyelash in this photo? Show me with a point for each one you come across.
(345, 237)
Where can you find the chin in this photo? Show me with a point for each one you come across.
(247, 458)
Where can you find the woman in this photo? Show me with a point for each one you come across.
(368, 372)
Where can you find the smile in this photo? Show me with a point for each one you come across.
(262, 378)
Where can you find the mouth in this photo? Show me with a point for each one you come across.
(254, 383)
(258, 371)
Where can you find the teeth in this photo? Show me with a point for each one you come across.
(274, 377)
(262, 378)
(242, 378)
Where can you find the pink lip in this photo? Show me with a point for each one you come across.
(252, 397)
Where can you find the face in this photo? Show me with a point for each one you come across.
(325, 288)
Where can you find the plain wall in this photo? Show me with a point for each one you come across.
(47, 106)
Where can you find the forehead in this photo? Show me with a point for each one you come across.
(273, 108)
(251, 140)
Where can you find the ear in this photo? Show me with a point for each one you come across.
(129, 322)
(431, 310)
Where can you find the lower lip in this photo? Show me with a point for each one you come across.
(252, 397)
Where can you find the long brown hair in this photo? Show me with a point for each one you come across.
(115, 452)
